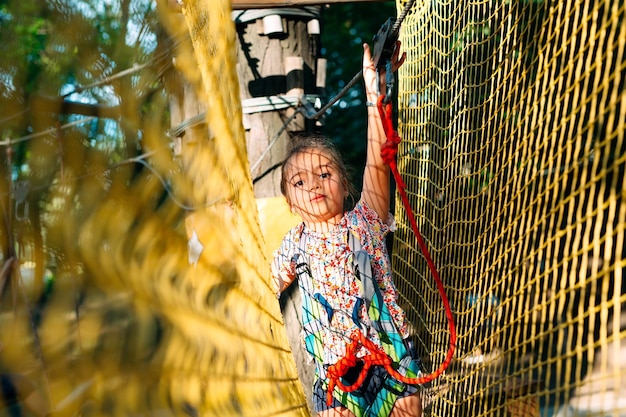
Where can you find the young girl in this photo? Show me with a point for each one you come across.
(324, 254)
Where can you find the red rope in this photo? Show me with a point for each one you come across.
(377, 355)
(388, 152)
(339, 369)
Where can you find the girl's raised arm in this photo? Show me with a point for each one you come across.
(376, 191)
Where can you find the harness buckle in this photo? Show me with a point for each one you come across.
(394, 386)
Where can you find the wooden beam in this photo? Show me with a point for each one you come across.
(268, 4)
(176, 6)
(62, 106)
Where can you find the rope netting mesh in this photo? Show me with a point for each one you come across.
(512, 118)
(134, 278)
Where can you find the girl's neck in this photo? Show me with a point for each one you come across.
(324, 226)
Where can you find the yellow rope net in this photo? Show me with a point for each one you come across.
(132, 325)
(512, 117)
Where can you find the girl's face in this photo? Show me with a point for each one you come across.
(314, 187)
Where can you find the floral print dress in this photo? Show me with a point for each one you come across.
(334, 283)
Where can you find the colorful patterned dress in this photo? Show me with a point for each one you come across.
(330, 260)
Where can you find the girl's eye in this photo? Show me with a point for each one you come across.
(324, 175)
(298, 184)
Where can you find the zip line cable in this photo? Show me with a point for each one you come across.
(9, 142)
(359, 75)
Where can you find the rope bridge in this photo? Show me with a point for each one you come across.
(134, 278)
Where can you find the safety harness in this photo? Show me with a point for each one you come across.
(395, 357)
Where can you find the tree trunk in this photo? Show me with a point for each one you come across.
(277, 68)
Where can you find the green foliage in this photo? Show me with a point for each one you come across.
(77, 78)
(346, 26)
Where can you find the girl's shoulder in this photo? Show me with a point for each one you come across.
(292, 237)
(362, 212)
(364, 218)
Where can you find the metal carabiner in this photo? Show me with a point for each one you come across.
(390, 79)
(384, 47)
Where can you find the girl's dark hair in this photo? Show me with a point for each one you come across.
(303, 143)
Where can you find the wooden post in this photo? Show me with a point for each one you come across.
(277, 68)
(278, 52)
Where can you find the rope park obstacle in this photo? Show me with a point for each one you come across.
(512, 118)
(383, 47)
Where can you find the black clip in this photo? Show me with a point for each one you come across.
(384, 46)
(384, 43)
(303, 268)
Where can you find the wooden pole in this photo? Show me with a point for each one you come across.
(277, 67)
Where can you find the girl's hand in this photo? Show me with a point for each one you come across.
(369, 70)
(283, 274)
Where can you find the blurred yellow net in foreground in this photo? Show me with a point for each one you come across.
(138, 284)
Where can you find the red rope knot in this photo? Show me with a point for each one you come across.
(389, 149)
(343, 365)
